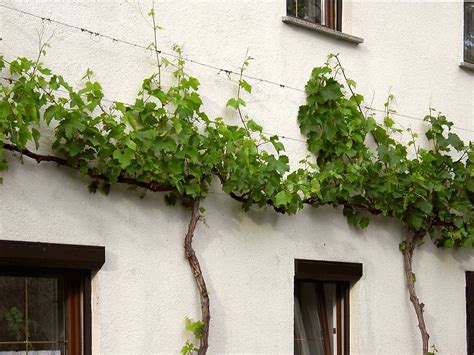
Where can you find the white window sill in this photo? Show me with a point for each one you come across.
(321, 29)
(467, 66)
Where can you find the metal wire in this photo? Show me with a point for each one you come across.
(206, 65)
(172, 55)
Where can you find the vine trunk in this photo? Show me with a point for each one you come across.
(408, 250)
(198, 277)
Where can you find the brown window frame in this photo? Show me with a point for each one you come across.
(332, 13)
(74, 263)
(343, 275)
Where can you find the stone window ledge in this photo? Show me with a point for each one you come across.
(321, 29)
(467, 66)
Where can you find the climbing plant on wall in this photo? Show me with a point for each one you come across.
(164, 142)
(431, 192)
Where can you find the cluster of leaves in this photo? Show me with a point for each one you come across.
(155, 139)
(431, 191)
(165, 142)
(196, 328)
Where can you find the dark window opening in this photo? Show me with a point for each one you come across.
(469, 31)
(327, 13)
(41, 311)
(470, 311)
(45, 297)
(321, 296)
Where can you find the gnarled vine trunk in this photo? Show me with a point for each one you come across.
(197, 273)
(410, 244)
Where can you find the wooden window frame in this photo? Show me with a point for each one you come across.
(74, 263)
(344, 275)
(332, 15)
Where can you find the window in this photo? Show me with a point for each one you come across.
(321, 296)
(45, 306)
(470, 311)
(469, 31)
(40, 311)
(327, 13)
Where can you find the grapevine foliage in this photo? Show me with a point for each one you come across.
(165, 142)
(430, 191)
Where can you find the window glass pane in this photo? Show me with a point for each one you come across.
(309, 320)
(469, 32)
(330, 301)
(12, 309)
(310, 10)
(32, 315)
(291, 7)
(319, 318)
(313, 11)
(46, 309)
(470, 311)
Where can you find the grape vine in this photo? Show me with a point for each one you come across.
(164, 142)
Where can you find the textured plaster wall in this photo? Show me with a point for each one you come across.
(144, 290)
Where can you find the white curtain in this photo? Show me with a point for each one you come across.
(32, 352)
(308, 329)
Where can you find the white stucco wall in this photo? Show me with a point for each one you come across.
(145, 290)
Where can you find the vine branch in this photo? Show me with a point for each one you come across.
(198, 277)
(151, 186)
(408, 249)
